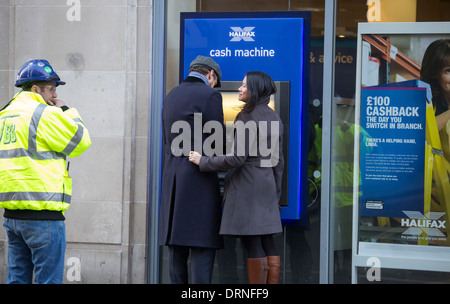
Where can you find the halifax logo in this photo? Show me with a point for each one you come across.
(245, 34)
(429, 224)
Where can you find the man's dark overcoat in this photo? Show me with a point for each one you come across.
(190, 212)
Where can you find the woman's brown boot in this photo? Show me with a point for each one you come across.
(257, 270)
(274, 269)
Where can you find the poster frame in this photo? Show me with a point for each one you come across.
(387, 255)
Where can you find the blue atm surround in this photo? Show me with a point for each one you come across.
(277, 43)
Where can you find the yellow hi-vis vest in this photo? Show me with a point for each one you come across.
(343, 163)
(35, 139)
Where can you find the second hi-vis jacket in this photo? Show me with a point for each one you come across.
(35, 139)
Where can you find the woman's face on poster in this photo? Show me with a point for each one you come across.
(444, 77)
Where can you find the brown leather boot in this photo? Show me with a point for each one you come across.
(257, 270)
(274, 269)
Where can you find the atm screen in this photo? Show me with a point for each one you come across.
(232, 106)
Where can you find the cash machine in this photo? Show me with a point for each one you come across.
(273, 42)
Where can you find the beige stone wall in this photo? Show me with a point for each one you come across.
(101, 48)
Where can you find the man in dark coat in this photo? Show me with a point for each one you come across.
(190, 212)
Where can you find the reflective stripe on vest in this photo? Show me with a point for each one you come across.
(35, 196)
(32, 149)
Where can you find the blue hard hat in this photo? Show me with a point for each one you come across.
(35, 71)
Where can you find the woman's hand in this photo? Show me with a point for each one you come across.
(194, 157)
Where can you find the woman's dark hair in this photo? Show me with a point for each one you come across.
(260, 86)
(434, 59)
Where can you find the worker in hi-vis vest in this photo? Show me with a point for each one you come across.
(37, 133)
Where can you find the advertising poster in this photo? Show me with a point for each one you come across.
(393, 152)
(403, 189)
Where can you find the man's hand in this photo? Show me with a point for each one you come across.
(56, 102)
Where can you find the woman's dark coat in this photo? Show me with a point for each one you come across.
(190, 212)
(252, 191)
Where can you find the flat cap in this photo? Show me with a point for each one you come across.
(209, 63)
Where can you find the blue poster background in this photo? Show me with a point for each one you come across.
(276, 43)
(392, 155)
